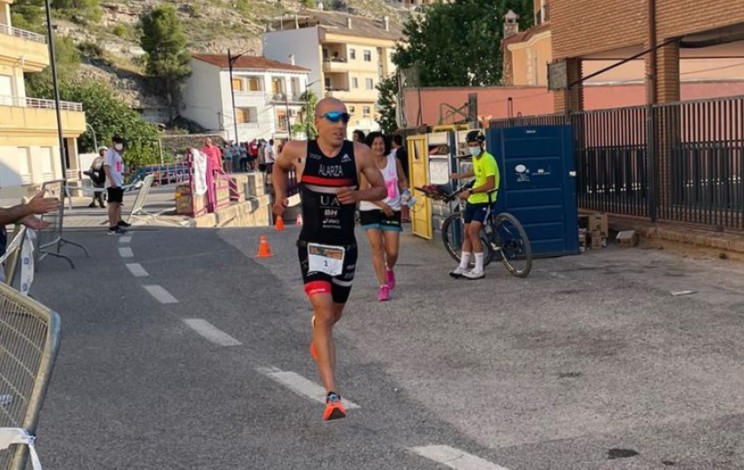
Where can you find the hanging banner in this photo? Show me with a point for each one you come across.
(200, 172)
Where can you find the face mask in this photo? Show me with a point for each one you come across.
(119, 147)
(474, 151)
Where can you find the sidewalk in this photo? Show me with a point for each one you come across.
(682, 237)
(161, 207)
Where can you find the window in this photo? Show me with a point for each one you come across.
(327, 83)
(354, 82)
(6, 90)
(370, 84)
(237, 84)
(254, 84)
(277, 86)
(281, 121)
(247, 115)
(352, 54)
(352, 109)
(365, 111)
(367, 56)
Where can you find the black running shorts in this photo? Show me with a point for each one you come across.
(115, 195)
(321, 283)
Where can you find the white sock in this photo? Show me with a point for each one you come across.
(479, 261)
(465, 259)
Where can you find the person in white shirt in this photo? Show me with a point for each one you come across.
(114, 166)
(382, 219)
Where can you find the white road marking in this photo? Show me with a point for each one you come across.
(301, 386)
(162, 295)
(455, 458)
(211, 332)
(126, 252)
(125, 239)
(136, 269)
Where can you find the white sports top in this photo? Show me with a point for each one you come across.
(390, 175)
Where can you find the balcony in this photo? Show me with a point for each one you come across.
(18, 114)
(279, 98)
(335, 64)
(27, 49)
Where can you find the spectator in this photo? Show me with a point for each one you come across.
(270, 157)
(98, 177)
(357, 136)
(402, 154)
(227, 159)
(114, 166)
(214, 156)
(24, 214)
(252, 154)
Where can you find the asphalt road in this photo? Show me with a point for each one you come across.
(199, 361)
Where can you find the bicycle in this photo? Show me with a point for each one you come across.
(501, 233)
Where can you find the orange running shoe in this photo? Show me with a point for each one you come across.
(334, 408)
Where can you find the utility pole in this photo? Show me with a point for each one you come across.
(230, 61)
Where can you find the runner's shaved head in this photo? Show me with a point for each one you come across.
(327, 105)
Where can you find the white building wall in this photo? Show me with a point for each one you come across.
(304, 44)
(202, 102)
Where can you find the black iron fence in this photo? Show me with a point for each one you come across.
(689, 170)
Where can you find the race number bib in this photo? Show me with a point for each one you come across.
(325, 258)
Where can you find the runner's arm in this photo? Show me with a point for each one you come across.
(280, 174)
(402, 180)
(366, 165)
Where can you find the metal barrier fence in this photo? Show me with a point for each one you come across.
(20, 249)
(679, 162)
(29, 341)
(167, 173)
(138, 206)
(51, 237)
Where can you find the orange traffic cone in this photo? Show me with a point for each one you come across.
(279, 224)
(298, 221)
(264, 251)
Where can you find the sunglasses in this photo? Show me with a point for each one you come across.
(336, 116)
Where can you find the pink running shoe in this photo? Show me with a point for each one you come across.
(390, 278)
(383, 294)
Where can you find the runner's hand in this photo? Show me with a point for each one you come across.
(280, 206)
(347, 195)
(388, 210)
(41, 205)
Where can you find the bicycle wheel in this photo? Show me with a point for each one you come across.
(452, 236)
(516, 252)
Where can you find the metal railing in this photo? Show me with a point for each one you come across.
(38, 103)
(29, 341)
(50, 241)
(20, 33)
(680, 162)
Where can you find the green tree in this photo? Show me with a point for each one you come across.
(29, 15)
(80, 11)
(459, 44)
(39, 84)
(109, 116)
(307, 125)
(167, 60)
(387, 102)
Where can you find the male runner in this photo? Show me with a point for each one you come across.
(328, 171)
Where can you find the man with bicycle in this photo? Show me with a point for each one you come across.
(479, 198)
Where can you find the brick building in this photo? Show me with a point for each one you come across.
(621, 29)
